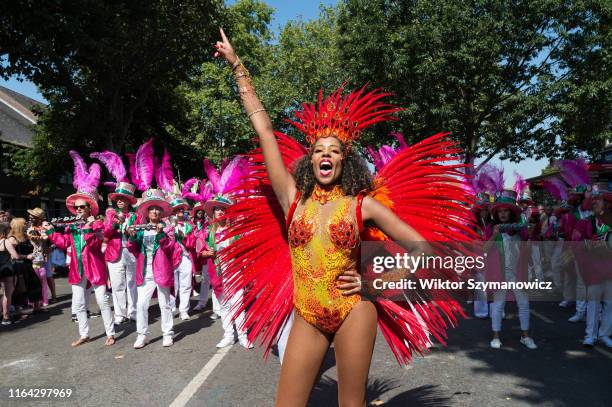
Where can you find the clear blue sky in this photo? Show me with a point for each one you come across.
(286, 10)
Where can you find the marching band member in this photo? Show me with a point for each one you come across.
(87, 267)
(120, 254)
(512, 265)
(154, 269)
(185, 238)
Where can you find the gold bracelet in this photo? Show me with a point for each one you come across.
(255, 111)
(243, 74)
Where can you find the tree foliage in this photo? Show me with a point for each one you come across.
(491, 72)
(109, 69)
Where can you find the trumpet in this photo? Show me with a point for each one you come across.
(511, 227)
(67, 221)
(144, 226)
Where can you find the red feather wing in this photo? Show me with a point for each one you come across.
(423, 186)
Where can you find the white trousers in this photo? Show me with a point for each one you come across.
(573, 287)
(228, 306)
(204, 286)
(216, 305)
(481, 306)
(598, 318)
(123, 280)
(79, 294)
(182, 284)
(535, 269)
(145, 292)
(73, 306)
(553, 250)
(497, 309)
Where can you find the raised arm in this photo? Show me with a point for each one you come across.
(281, 180)
(393, 226)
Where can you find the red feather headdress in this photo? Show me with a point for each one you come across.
(343, 117)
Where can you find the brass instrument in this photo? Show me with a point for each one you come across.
(511, 227)
(144, 226)
(67, 221)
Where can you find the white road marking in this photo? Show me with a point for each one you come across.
(15, 362)
(542, 317)
(192, 387)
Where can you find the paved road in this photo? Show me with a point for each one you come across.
(36, 352)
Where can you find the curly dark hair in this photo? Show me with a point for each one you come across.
(355, 177)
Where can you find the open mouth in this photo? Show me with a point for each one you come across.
(325, 168)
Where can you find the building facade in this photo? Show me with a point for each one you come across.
(17, 122)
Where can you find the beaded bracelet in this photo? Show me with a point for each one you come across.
(256, 111)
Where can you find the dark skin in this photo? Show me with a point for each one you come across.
(307, 345)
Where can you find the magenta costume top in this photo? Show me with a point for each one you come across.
(86, 257)
(113, 236)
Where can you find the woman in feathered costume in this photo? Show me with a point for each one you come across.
(325, 195)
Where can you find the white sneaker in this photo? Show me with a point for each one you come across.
(606, 341)
(185, 316)
(167, 341)
(577, 317)
(120, 320)
(496, 343)
(564, 304)
(528, 342)
(245, 342)
(225, 342)
(141, 341)
(199, 307)
(214, 316)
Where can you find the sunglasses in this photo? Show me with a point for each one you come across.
(81, 206)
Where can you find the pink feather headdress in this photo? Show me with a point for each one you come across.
(164, 176)
(114, 164)
(204, 193)
(85, 179)
(555, 187)
(230, 176)
(141, 166)
(489, 179)
(520, 185)
(386, 152)
(574, 172)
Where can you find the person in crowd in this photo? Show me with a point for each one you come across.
(120, 254)
(154, 267)
(8, 255)
(84, 238)
(185, 238)
(37, 236)
(24, 270)
(511, 267)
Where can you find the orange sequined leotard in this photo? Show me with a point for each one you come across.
(324, 240)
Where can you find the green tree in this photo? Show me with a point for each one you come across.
(109, 70)
(285, 72)
(484, 70)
